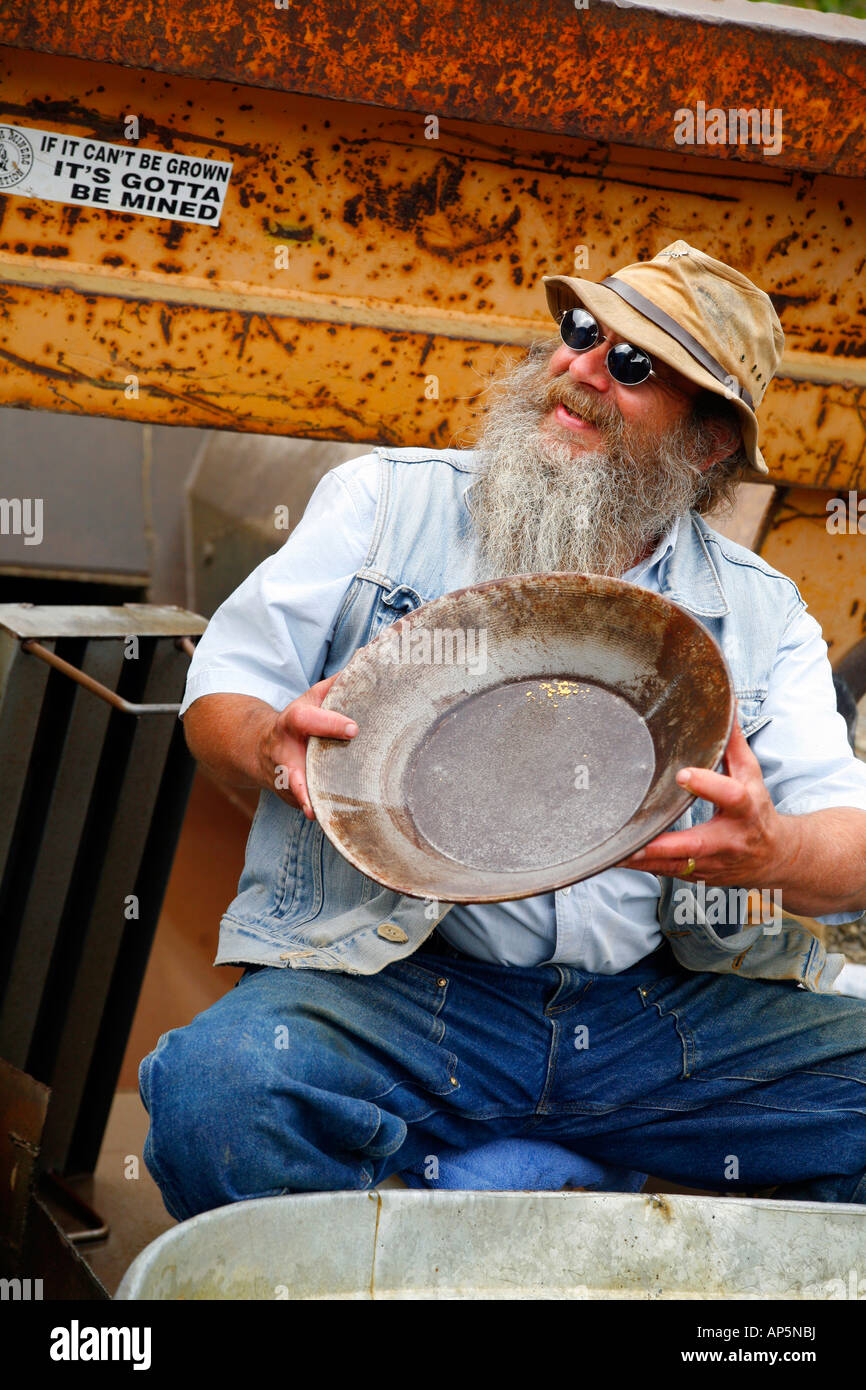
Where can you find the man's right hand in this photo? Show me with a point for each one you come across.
(243, 741)
(282, 747)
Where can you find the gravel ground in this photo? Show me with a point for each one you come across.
(851, 939)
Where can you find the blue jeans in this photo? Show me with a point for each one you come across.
(312, 1080)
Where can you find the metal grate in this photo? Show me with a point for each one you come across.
(92, 798)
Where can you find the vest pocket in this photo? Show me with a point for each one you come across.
(749, 713)
(393, 604)
(299, 884)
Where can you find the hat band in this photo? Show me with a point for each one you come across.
(683, 337)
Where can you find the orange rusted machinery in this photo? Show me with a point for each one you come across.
(399, 182)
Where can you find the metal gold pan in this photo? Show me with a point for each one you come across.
(518, 736)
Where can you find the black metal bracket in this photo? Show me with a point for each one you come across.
(34, 648)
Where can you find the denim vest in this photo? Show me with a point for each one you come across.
(301, 904)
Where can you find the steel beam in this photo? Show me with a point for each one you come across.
(609, 70)
(410, 266)
(827, 564)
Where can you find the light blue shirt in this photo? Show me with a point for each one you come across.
(270, 638)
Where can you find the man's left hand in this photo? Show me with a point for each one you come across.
(746, 843)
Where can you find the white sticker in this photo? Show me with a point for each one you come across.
(121, 178)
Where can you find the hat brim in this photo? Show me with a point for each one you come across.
(564, 291)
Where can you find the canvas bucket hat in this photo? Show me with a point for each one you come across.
(700, 316)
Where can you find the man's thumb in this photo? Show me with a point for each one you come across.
(317, 692)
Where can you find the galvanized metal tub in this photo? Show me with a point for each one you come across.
(507, 1245)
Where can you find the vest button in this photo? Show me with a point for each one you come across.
(391, 932)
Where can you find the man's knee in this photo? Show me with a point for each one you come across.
(254, 1110)
(203, 1103)
(837, 1188)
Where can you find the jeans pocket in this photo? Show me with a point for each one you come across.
(421, 998)
(662, 995)
(739, 1029)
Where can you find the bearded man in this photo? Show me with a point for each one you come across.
(375, 1034)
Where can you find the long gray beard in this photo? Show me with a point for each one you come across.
(542, 505)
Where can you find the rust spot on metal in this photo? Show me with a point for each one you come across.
(450, 237)
(70, 217)
(173, 235)
(285, 344)
(377, 1198)
(103, 126)
(657, 1202)
(514, 65)
(482, 237)
(285, 231)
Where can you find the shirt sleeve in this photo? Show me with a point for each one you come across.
(805, 756)
(270, 637)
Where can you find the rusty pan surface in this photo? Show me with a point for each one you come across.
(518, 736)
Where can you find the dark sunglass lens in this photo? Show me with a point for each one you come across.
(628, 365)
(578, 329)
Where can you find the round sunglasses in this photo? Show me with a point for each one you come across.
(627, 365)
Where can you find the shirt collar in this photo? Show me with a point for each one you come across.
(683, 569)
(643, 569)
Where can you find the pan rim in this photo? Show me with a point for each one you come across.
(518, 583)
